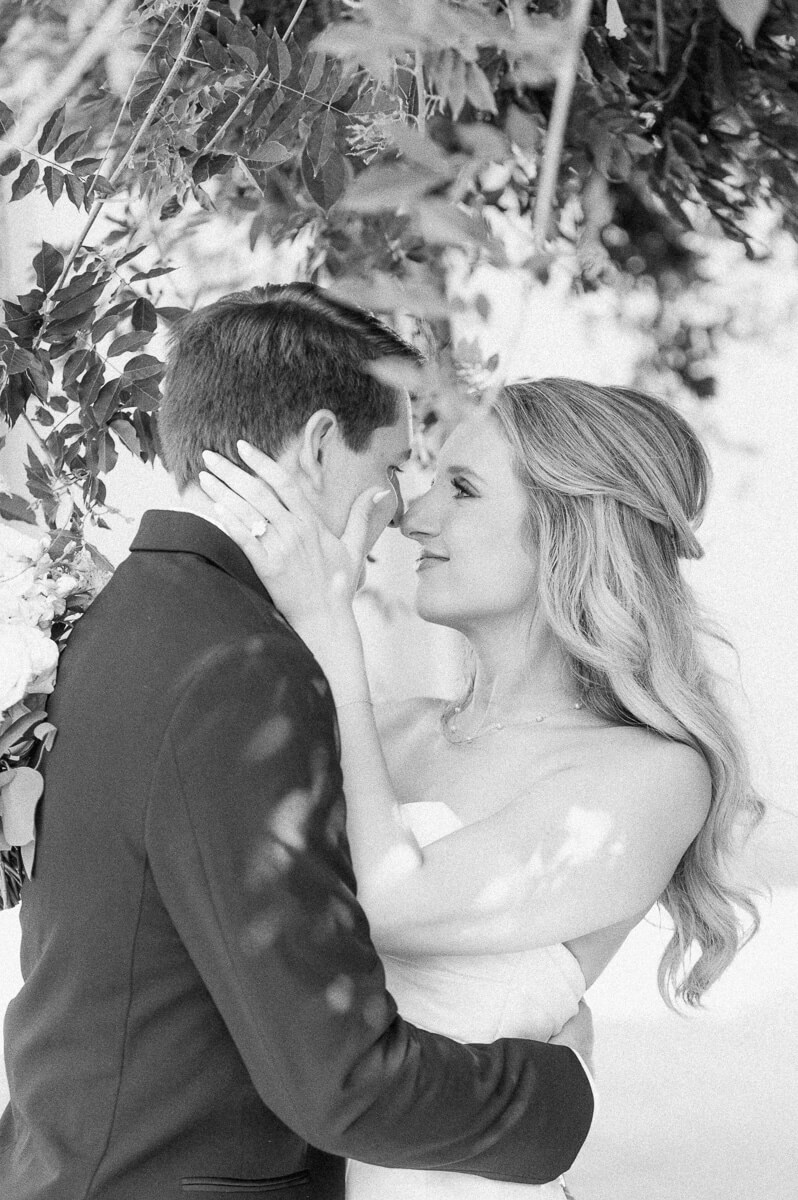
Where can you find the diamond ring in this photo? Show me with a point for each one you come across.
(259, 528)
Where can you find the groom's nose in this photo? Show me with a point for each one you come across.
(397, 518)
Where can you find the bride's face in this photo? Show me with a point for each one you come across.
(475, 565)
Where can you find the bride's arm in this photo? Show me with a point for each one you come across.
(589, 848)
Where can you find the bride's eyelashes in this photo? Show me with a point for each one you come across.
(463, 489)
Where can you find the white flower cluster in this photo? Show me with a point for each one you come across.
(33, 593)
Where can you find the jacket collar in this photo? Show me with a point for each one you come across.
(189, 533)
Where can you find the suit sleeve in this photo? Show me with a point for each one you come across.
(246, 841)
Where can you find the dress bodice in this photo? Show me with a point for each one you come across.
(479, 998)
(476, 998)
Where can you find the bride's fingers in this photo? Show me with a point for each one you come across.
(248, 489)
(278, 479)
(246, 514)
(243, 536)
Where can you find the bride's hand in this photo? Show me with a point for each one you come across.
(308, 572)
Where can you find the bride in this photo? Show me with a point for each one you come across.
(506, 842)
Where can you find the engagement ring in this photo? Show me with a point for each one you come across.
(259, 528)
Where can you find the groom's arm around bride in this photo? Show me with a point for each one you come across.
(202, 999)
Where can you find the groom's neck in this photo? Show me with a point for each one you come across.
(193, 499)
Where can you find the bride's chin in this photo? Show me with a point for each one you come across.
(436, 614)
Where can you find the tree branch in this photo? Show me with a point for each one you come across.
(662, 44)
(421, 96)
(100, 40)
(131, 150)
(555, 138)
(250, 92)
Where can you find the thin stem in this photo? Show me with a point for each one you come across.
(294, 19)
(421, 95)
(558, 122)
(133, 83)
(662, 44)
(250, 92)
(96, 44)
(131, 150)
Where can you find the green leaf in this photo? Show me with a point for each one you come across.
(81, 305)
(126, 434)
(321, 141)
(330, 184)
(26, 181)
(380, 189)
(73, 366)
(48, 264)
(316, 71)
(109, 320)
(269, 152)
(143, 366)
(16, 508)
(74, 190)
(107, 400)
(53, 183)
(215, 54)
(67, 149)
(7, 119)
(279, 58)
(152, 274)
(478, 90)
(10, 162)
(52, 130)
(172, 313)
(144, 315)
(20, 360)
(129, 341)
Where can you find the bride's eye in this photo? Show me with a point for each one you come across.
(462, 488)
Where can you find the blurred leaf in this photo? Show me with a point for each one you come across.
(478, 90)
(10, 162)
(7, 119)
(16, 508)
(745, 15)
(387, 188)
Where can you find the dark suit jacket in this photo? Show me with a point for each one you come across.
(202, 1000)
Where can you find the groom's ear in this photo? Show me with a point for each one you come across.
(314, 446)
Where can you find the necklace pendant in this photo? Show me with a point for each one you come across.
(539, 719)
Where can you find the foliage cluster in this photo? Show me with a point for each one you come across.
(399, 134)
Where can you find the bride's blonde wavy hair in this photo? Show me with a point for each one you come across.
(617, 482)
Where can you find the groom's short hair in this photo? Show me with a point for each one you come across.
(257, 364)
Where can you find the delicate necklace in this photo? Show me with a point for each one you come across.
(449, 728)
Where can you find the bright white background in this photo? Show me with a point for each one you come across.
(704, 1106)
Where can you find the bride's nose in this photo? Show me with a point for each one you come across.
(417, 519)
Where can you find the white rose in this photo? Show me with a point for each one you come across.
(28, 662)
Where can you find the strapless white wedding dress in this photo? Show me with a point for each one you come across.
(530, 994)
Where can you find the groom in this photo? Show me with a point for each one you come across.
(203, 1010)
